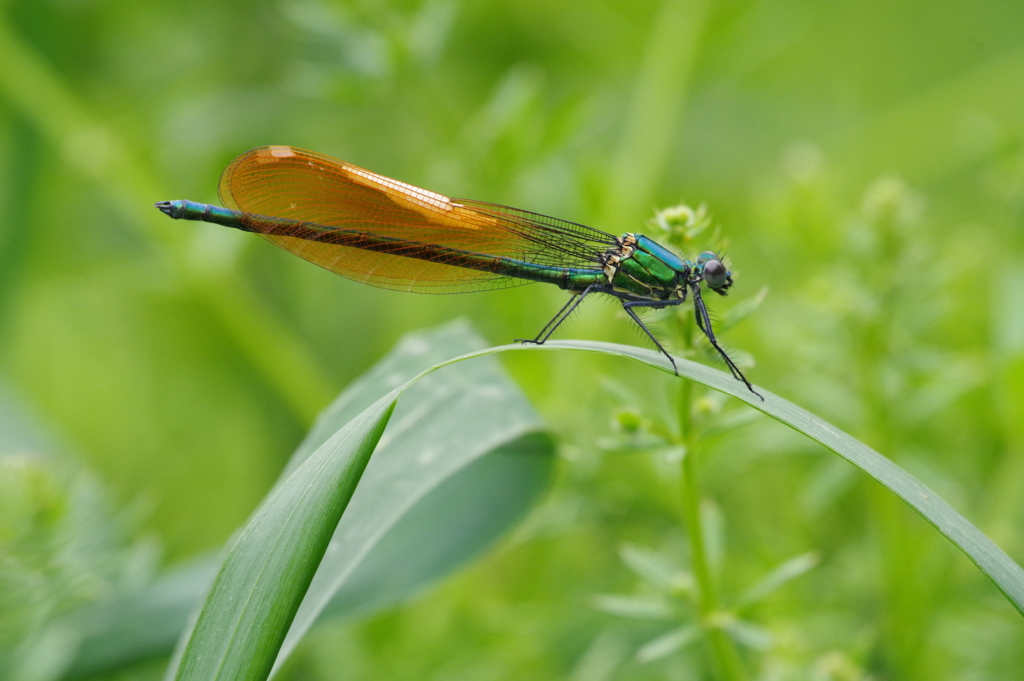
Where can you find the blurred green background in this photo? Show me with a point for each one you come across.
(864, 160)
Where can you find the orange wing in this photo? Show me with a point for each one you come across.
(286, 182)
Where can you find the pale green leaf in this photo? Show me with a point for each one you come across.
(668, 643)
(634, 607)
(788, 571)
(653, 567)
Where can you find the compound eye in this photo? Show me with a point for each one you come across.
(715, 274)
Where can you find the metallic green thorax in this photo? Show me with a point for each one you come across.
(641, 267)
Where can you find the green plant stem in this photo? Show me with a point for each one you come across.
(655, 108)
(30, 87)
(723, 652)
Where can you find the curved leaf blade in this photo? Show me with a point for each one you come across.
(443, 425)
(1007, 575)
(268, 569)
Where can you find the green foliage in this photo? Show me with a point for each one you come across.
(864, 161)
(464, 460)
(61, 550)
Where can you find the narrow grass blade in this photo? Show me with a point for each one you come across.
(1007, 575)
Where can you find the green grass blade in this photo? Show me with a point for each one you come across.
(268, 569)
(992, 560)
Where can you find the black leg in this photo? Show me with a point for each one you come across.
(557, 320)
(628, 305)
(704, 323)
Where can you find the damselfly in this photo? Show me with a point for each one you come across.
(386, 233)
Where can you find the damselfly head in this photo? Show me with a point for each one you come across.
(713, 272)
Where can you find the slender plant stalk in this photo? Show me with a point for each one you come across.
(656, 106)
(37, 92)
(723, 652)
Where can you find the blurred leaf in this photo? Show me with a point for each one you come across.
(668, 643)
(601, 659)
(1008, 332)
(144, 623)
(20, 431)
(650, 565)
(952, 381)
(61, 549)
(658, 100)
(950, 109)
(788, 571)
(827, 483)
(731, 420)
(30, 85)
(742, 309)
(634, 607)
(749, 634)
